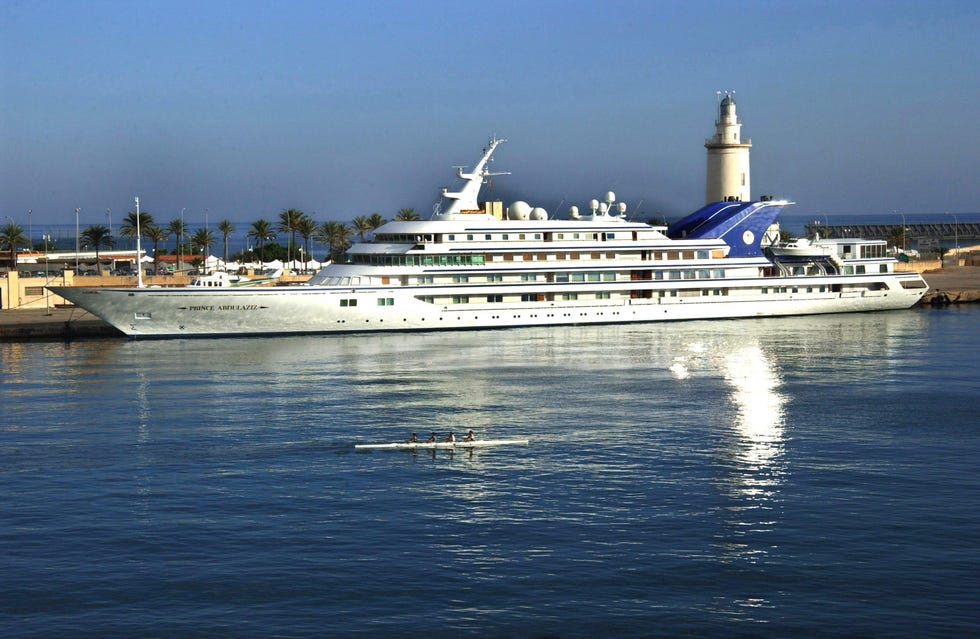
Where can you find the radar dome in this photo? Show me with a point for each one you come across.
(573, 211)
(519, 211)
(538, 213)
(610, 197)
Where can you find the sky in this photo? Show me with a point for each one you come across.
(238, 110)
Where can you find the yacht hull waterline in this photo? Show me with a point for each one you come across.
(469, 268)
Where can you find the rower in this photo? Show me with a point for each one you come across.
(469, 437)
(452, 438)
(413, 439)
(431, 439)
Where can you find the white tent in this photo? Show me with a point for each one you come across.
(214, 263)
(299, 265)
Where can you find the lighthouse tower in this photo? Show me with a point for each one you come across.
(728, 157)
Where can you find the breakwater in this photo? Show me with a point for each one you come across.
(952, 285)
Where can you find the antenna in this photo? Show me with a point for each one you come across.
(558, 208)
(139, 263)
(635, 209)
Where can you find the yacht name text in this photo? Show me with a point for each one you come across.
(225, 307)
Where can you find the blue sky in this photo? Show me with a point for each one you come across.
(240, 109)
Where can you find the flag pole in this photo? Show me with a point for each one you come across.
(139, 262)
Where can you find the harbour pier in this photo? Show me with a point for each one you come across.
(921, 235)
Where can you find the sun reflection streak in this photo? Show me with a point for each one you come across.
(761, 407)
(753, 455)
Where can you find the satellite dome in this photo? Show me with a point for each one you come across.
(519, 210)
(538, 213)
(573, 212)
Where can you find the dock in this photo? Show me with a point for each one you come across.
(950, 285)
(38, 324)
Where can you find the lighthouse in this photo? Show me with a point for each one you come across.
(728, 157)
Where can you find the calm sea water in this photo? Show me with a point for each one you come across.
(793, 477)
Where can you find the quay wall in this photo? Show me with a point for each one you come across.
(918, 266)
(21, 293)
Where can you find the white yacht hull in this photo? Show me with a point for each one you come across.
(158, 313)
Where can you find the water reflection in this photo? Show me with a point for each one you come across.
(735, 371)
(751, 454)
(760, 417)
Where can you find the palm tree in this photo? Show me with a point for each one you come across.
(202, 240)
(336, 236)
(10, 236)
(361, 226)
(404, 215)
(226, 229)
(178, 230)
(288, 221)
(896, 236)
(156, 235)
(325, 234)
(307, 228)
(98, 236)
(261, 231)
(376, 221)
(128, 228)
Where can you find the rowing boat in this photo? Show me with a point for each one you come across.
(449, 445)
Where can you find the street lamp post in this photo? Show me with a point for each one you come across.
(76, 241)
(47, 305)
(956, 232)
(903, 233)
(30, 230)
(180, 236)
(204, 249)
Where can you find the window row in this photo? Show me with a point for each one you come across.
(474, 259)
(588, 276)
